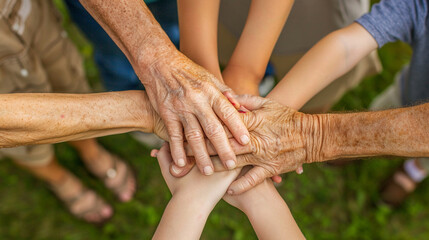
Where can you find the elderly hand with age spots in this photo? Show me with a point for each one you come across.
(192, 104)
(281, 140)
(191, 101)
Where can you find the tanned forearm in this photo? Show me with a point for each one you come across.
(264, 24)
(398, 132)
(133, 28)
(49, 118)
(198, 22)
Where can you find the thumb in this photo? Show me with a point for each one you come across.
(250, 102)
(252, 178)
(164, 158)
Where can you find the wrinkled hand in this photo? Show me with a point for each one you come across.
(281, 140)
(190, 101)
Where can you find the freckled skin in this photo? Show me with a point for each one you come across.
(283, 139)
(398, 132)
(50, 117)
(188, 98)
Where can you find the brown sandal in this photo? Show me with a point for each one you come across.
(399, 186)
(121, 185)
(98, 211)
(112, 172)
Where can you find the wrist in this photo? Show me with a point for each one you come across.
(254, 204)
(234, 72)
(198, 203)
(315, 130)
(153, 55)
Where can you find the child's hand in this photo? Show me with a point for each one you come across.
(194, 184)
(257, 194)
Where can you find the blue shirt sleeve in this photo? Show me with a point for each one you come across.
(393, 20)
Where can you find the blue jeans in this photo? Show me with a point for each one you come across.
(116, 72)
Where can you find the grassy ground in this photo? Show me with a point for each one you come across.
(328, 203)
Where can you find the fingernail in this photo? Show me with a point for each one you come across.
(243, 109)
(300, 170)
(208, 170)
(244, 139)
(175, 169)
(181, 162)
(230, 164)
(230, 192)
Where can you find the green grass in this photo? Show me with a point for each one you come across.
(327, 203)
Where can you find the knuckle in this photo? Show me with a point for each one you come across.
(251, 179)
(228, 112)
(175, 137)
(194, 135)
(213, 130)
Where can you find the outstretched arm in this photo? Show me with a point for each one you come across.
(194, 197)
(249, 60)
(187, 97)
(329, 59)
(267, 212)
(198, 21)
(283, 139)
(36, 118)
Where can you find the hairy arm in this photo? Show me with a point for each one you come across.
(329, 59)
(36, 118)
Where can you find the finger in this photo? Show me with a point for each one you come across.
(230, 96)
(178, 172)
(252, 178)
(164, 158)
(215, 133)
(175, 133)
(154, 152)
(250, 102)
(194, 136)
(276, 179)
(299, 170)
(236, 147)
(231, 118)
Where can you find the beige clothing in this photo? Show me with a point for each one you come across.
(308, 22)
(36, 56)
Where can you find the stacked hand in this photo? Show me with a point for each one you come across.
(192, 104)
(281, 140)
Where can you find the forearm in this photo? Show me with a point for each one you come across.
(49, 118)
(329, 59)
(184, 218)
(133, 28)
(263, 26)
(398, 132)
(270, 216)
(198, 21)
